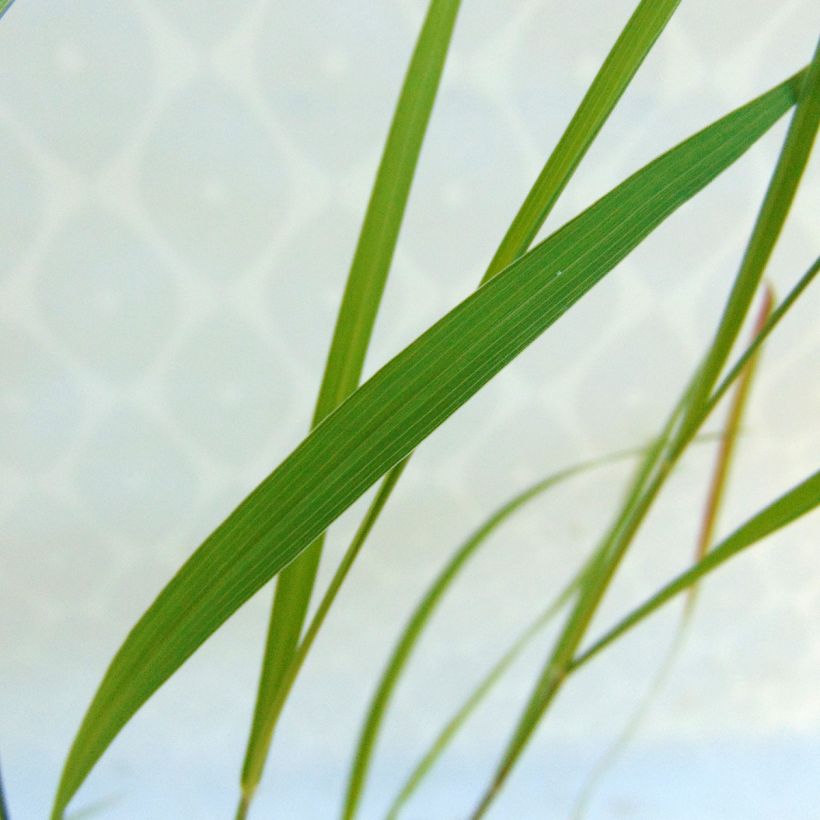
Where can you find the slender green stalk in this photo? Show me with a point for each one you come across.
(354, 326)
(5, 5)
(714, 499)
(621, 64)
(347, 353)
(770, 324)
(385, 419)
(690, 410)
(451, 728)
(424, 611)
(798, 501)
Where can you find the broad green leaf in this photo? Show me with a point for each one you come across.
(295, 584)
(354, 327)
(799, 501)
(633, 44)
(424, 611)
(393, 412)
(686, 418)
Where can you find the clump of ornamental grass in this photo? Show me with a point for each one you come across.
(364, 433)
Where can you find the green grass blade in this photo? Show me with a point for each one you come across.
(771, 323)
(5, 5)
(620, 66)
(421, 617)
(457, 721)
(791, 164)
(714, 499)
(633, 44)
(354, 326)
(679, 432)
(799, 501)
(393, 412)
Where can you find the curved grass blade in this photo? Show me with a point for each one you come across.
(769, 325)
(295, 585)
(799, 501)
(689, 414)
(393, 412)
(5, 5)
(451, 728)
(622, 63)
(484, 687)
(354, 326)
(424, 611)
(714, 501)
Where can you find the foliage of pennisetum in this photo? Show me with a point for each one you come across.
(364, 433)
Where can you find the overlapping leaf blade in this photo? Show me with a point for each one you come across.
(392, 413)
(354, 326)
(797, 502)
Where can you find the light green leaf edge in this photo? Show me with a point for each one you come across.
(392, 413)
(354, 326)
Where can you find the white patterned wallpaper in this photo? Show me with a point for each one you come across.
(182, 185)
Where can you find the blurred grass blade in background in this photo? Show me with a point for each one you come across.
(424, 611)
(393, 412)
(714, 498)
(684, 422)
(354, 326)
(799, 501)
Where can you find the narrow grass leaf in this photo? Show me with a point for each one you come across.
(714, 499)
(796, 503)
(633, 44)
(351, 338)
(424, 611)
(485, 686)
(393, 412)
(612, 79)
(689, 414)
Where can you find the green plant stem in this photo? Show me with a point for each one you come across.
(351, 338)
(683, 424)
(347, 356)
(424, 612)
(453, 725)
(800, 500)
(714, 497)
(612, 79)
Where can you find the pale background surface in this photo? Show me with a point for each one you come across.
(182, 184)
